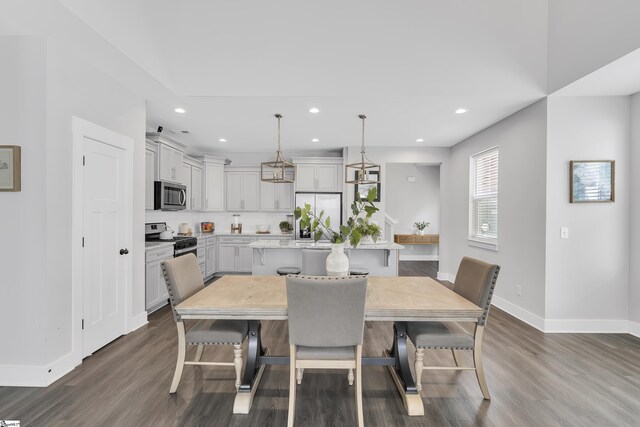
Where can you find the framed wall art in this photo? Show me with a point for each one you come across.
(592, 181)
(10, 168)
(363, 189)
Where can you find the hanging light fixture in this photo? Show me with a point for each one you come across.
(362, 170)
(279, 170)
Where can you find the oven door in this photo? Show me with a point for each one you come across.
(185, 251)
(169, 196)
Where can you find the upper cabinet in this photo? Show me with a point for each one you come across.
(150, 173)
(192, 179)
(170, 158)
(213, 184)
(276, 197)
(242, 190)
(319, 174)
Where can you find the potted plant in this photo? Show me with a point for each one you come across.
(319, 225)
(421, 225)
(369, 231)
(285, 227)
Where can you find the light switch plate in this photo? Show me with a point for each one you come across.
(564, 232)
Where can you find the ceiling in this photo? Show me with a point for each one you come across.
(407, 65)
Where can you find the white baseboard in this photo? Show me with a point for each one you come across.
(519, 313)
(634, 329)
(137, 321)
(446, 276)
(61, 367)
(595, 326)
(410, 257)
(23, 376)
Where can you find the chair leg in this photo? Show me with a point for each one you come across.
(477, 362)
(359, 386)
(350, 377)
(182, 347)
(292, 387)
(418, 368)
(199, 351)
(237, 363)
(299, 373)
(456, 358)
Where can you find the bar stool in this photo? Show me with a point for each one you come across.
(283, 271)
(359, 271)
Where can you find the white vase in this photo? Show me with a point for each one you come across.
(421, 232)
(337, 262)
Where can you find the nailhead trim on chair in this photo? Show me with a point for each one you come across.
(171, 296)
(214, 343)
(447, 348)
(483, 320)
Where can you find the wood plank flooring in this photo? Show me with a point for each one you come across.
(535, 380)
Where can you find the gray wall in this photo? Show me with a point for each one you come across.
(634, 279)
(522, 141)
(586, 35)
(588, 274)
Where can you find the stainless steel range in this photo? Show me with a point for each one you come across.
(182, 244)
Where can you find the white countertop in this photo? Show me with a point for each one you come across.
(247, 234)
(157, 245)
(297, 244)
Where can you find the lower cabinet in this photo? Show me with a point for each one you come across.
(156, 294)
(234, 255)
(202, 257)
(210, 257)
(227, 253)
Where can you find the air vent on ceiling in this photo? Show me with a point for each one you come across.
(185, 131)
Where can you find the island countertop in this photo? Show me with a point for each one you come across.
(297, 244)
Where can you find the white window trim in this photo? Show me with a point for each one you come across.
(483, 242)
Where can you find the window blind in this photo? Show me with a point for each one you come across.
(484, 194)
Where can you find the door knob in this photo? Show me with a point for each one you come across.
(124, 251)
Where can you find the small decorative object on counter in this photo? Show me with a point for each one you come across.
(369, 230)
(285, 227)
(262, 229)
(337, 261)
(207, 227)
(236, 225)
(421, 225)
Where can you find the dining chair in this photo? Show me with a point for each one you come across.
(184, 279)
(314, 262)
(475, 281)
(326, 325)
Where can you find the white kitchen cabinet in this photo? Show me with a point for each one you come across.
(242, 188)
(185, 179)
(245, 258)
(150, 174)
(170, 157)
(227, 254)
(318, 174)
(196, 188)
(276, 197)
(211, 258)
(234, 255)
(213, 184)
(202, 257)
(156, 294)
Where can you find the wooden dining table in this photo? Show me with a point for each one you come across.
(392, 299)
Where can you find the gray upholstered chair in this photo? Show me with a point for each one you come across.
(475, 281)
(326, 324)
(314, 262)
(183, 278)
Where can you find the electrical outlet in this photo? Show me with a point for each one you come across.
(518, 290)
(564, 232)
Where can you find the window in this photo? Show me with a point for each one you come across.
(483, 223)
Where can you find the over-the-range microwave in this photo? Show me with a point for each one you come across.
(169, 196)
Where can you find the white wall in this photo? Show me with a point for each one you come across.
(586, 35)
(521, 138)
(634, 279)
(588, 274)
(23, 218)
(409, 202)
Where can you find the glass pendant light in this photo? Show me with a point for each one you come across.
(279, 170)
(362, 171)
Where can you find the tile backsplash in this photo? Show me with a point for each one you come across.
(221, 220)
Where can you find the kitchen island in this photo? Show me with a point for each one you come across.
(381, 259)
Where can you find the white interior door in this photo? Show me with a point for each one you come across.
(106, 271)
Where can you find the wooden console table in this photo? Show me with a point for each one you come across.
(416, 239)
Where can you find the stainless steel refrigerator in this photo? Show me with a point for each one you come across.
(330, 203)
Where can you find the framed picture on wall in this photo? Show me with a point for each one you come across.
(361, 190)
(592, 181)
(10, 168)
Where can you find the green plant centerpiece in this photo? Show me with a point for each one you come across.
(369, 230)
(420, 225)
(351, 232)
(284, 226)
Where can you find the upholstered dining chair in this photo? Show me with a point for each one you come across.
(475, 281)
(314, 262)
(183, 278)
(326, 325)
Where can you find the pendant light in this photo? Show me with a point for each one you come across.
(278, 171)
(361, 171)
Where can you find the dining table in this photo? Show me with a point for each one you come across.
(389, 299)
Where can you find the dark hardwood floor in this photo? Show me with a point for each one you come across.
(535, 380)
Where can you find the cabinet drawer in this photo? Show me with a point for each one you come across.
(407, 240)
(238, 240)
(159, 255)
(423, 239)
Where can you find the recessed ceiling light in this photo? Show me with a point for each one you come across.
(180, 110)
(461, 110)
(419, 140)
(314, 110)
(222, 140)
(315, 140)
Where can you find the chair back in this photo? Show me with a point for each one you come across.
(326, 311)
(476, 281)
(183, 278)
(314, 262)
